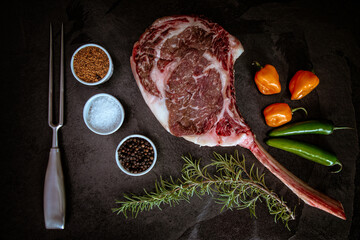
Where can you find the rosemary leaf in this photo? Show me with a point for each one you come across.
(232, 186)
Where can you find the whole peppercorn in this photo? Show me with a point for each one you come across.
(136, 155)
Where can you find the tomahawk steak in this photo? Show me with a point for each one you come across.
(184, 68)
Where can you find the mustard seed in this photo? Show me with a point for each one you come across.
(91, 64)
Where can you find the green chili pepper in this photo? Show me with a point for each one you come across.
(306, 150)
(307, 127)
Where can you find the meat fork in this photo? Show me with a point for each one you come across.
(54, 191)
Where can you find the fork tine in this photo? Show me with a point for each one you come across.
(61, 107)
(50, 99)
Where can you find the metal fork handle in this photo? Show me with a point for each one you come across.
(54, 192)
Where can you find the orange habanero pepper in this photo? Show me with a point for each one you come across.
(302, 83)
(267, 79)
(278, 114)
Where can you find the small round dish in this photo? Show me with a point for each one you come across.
(118, 161)
(103, 114)
(104, 79)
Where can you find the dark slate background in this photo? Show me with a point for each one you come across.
(290, 35)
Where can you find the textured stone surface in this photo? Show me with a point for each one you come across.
(288, 35)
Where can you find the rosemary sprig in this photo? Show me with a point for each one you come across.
(232, 185)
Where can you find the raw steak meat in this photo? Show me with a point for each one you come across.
(184, 67)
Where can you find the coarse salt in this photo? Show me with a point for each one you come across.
(104, 114)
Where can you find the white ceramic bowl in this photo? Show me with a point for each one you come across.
(121, 166)
(86, 115)
(109, 73)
